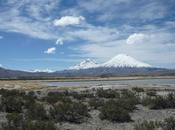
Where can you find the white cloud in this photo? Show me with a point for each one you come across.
(136, 38)
(1, 37)
(68, 20)
(95, 34)
(60, 41)
(51, 50)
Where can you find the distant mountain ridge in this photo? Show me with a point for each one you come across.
(120, 65)
(121, 60)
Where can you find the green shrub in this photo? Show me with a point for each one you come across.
(36, 112)
(137, 89)
(160, 102)
(12, 104)
(107, 93)
(147, 125)
(167, 124)
(151, 93)
(114, 112)
(54, 97)
(69, 111)
(95, 103)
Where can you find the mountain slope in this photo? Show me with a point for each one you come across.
(120, 60)
(123, 60)
(85, 64)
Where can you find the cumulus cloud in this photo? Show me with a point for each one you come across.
(51, 50)
(68, 20)
(60, 41)
(136, 38)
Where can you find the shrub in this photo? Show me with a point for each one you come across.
(107, 93)
(160, 102)
(12, 104)
(114, 112)
(39, 125)
(69, 111)
(81, 96)
(95, 103)
(167, 124)
(137, 89)
(147, 125)
(36, 112)
(151, 93)
(54, 97)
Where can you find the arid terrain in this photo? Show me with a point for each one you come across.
(94, 107)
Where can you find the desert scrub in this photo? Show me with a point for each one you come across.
(75, 112)
(54, 97)
(17, 121)
(137, 89)
(12, 104)
(147, 125)
(101, 93)
(114, 111)
(151, 93)
(160, 102)
(167, 124)
(36, 112)
(96, 103)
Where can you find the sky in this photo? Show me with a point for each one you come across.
(57, 34)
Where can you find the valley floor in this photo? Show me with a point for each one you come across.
(145, 109)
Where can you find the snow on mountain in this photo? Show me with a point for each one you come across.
(45, 70)
(121, 60)
(86, 64)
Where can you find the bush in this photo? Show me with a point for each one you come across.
(81, 96)
(12, 104)
(114, 112)
(151, 93)
(160, 102)
(95, 103)
(69, 111)
(54, 97)
(36, 112)
(147, 125)
(107, 93)
(167, 124)
(39, 125)
(137, 89)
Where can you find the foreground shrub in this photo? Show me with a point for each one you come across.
(12, 104)
(17, 122)
(54, 97)
(95, 103)
(160, 102)
(114, 112)
(167, 124)
(107, 93)
(137, 89)
(36, 112)
(69, 111)
(147, 125)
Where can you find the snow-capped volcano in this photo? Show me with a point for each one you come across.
(123, 60)
(85, 64)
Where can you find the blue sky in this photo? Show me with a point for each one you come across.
(57, 34)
